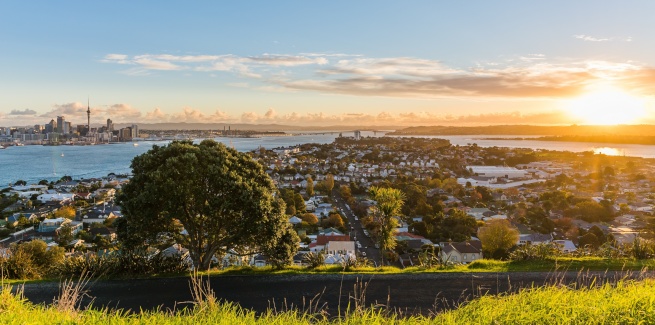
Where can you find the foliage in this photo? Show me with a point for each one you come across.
(309, 218)
(67, 212)
(65, 234)
(310, 186)
(221, 198)
(530, 252)
(314, 259)
(121, 264)
(592, 211)
(389, 204)
(334, 220)
(326, 185)
(642, 249)
(280, 253)
(350, 262)
(30, 260)
(497, 237)
(455, 226)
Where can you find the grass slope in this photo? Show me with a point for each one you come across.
(626, 301)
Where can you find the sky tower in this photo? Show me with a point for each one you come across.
(88, 117)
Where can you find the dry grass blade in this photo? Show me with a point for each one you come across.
(204, 297)
(71, 293)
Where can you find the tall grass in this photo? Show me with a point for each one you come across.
(583, 302)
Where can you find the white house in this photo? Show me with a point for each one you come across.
(462, 252)
(60, 197)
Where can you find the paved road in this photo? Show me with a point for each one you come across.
(356, 230)
(410, 293)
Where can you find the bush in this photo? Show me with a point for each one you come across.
(530, 252)
(122, 264)
(31, 260)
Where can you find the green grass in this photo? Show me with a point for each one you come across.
(574, 264)
(625, 302)
(560, 264)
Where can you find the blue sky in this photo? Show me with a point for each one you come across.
(322, 63)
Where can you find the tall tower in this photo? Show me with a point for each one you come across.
(88, 117)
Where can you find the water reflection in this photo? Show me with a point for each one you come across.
(608, 151)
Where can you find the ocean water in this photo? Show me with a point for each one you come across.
(34, 163)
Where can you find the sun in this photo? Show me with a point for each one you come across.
(607, 106)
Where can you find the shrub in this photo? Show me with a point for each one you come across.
(119, 264)
(530, 252)
(31, 260)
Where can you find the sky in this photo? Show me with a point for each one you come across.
(328, 62)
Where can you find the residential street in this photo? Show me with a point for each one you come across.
(357, 231)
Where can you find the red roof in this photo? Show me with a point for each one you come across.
(408, 234)
(322, 239)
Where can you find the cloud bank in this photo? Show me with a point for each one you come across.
(531, 76)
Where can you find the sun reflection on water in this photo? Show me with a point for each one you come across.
(608, 151)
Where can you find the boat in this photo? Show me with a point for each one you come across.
(135, 144)
(62, 154)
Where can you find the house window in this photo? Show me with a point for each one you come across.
(464, 256)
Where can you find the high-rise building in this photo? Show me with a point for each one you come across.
(110, 125)
(60, 124)
(135, 131)
(68, 127)
(125, 134)
(51, 127)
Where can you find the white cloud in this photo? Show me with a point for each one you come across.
(588, 38)
(187, 115)
(23, 112)
(403, 119)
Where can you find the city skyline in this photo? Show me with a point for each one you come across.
(342, 63)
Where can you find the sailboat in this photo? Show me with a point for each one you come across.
(62, 154)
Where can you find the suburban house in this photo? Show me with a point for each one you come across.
(49, 228)
(321, 241)
(14, 218)
(462, 252)
(534, 239)
(340, 247)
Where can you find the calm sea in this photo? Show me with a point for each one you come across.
(34, 163)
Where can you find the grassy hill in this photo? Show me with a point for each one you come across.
(624, 301)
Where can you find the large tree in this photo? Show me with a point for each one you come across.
(208, 198)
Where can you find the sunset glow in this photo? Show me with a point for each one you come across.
(607, 106)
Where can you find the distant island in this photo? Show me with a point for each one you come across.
(614, 139)
(643, 130)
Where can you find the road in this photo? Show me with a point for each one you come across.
(356, 230)
(409, 293)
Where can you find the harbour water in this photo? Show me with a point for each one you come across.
(34, 163)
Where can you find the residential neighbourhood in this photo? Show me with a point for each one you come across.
(577, 201)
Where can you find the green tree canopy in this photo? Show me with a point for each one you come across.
(310, 187)
(389, 204)
(221, 198)
(497, 237)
